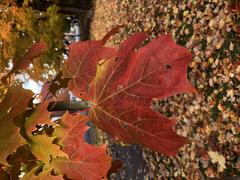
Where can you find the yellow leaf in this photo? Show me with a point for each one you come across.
(221, 23)
(43, 148)
(218, 158)
(231, 46)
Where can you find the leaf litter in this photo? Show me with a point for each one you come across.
(210, 118)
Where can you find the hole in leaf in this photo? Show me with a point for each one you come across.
(168, 66)
(125, 125)
(120, 87)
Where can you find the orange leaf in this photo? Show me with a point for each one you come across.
(14, 103)
(39, 116)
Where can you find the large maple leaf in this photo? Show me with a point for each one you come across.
(85, 161)
(123, 89)
(14, 103)
(83, 58)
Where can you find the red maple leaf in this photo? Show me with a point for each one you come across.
(123, 89)
(20, 64)
(83, 58)
(85, 161)
(34, 51)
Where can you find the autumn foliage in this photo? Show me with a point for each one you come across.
(119, 83)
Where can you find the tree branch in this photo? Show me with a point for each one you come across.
(68, 106)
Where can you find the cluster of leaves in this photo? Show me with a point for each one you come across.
(119, 84)
(23, 25)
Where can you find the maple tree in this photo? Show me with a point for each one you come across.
(117, 86)
(22, 26)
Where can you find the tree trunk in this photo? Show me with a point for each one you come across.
(84, 25)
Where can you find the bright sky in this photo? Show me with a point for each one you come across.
(34, 86)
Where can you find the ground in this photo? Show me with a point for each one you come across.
(210, 118)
